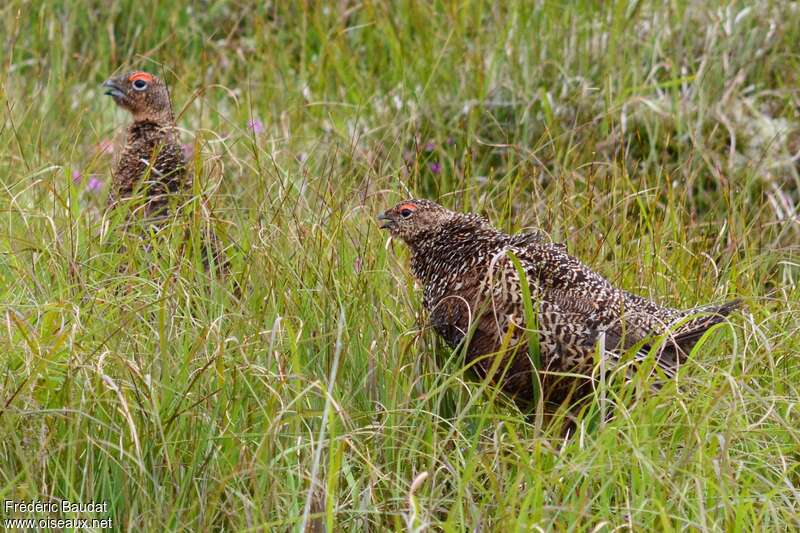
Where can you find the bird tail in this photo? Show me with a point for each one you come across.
(679, 344)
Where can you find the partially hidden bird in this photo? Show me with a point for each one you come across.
(470, 275)
(152, 162)
(151, 167)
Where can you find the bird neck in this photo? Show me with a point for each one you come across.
(452, 248)
(161, 116)
(161, 131)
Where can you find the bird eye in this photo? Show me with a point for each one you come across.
(405, 213)
(140, 85)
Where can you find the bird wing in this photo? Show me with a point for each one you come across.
(578, 305)
(534, 237)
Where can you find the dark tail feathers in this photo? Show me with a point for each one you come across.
(677, 347)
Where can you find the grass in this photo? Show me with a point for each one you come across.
(657, 141)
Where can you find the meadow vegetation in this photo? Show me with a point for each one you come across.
(658, 140)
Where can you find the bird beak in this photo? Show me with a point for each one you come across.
(113, 90)
(388, 223)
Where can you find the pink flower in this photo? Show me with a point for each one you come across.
(255, 125)
(430, 146)
(358, 264)
(188, 150)
(106, 146)
(76, 177)
(94, 184)
(435, 167)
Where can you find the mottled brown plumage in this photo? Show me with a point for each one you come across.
(469, 280)
(151, 164)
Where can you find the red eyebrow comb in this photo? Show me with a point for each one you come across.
(140, 76)
(408, 206)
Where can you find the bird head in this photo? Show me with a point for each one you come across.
(141, 93)
(411, 219)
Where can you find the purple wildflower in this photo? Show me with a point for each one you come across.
(95, 184)
(106, 146)
(255, 125)
(435, 167)
(430, 146)
(76, 176)
(188, 150)
(358, 264)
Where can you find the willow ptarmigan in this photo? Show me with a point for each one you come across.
(152, 162)
(469, 280)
